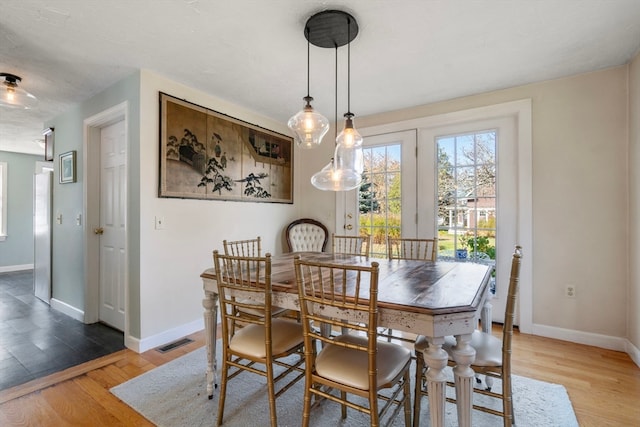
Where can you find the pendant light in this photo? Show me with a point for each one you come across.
(334, 28)
(12, 96)
(349, 137)
(308, 125)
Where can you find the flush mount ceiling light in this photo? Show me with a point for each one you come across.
(14, 97)
(333, 29)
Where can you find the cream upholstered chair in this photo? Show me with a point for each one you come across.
(412, 249)
(351, 245)
(416, 249)
(307, 235)
(493, 356)
(355, 363)
(249, 247)
(244, 284)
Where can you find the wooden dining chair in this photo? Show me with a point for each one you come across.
(351, 245)
(244, 284)
(355, 363)
(307, 235)
(249, 247)
(416, 249)
(493, 356)
(411, 249)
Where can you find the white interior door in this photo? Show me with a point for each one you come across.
(42, 235)
(113, 224)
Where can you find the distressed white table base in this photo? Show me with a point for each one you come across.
(210, 304)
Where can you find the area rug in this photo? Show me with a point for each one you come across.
(174, 395)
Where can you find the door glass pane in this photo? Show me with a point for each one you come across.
(379, 197)
(467, 196)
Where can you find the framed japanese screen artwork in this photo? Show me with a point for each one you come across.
(205, 154)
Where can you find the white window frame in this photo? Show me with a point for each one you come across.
(3, 200)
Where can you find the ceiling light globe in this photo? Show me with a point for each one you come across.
(13, 96)
(349, 137)
(331, 179)
(308, 126)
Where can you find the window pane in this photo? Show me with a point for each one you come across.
(380, 197)
(467, 195)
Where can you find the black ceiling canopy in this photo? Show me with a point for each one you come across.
(331, 28)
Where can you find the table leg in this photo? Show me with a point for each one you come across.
(485, 316)
(436, 359)
(464, 355)
(210, 304)
(485, 321)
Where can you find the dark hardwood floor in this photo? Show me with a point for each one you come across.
(36, 341)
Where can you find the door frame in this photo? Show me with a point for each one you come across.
(91, 189)
(521, 110)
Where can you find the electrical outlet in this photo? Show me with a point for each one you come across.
(570, 291)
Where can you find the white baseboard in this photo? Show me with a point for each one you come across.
(9, 268)
(587, 338)
(67, 309)
(633, 352)
(165, 337)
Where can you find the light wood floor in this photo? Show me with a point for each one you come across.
(603, 385)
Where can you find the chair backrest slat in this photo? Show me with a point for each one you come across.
(351, 245)
(244, 283)
(243, 248)
(338, 295)
(416, 249)
(509, 315)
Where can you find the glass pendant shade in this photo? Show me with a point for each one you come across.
(349, 158)
(332, 179)
(308, 126)
(349, 137)
(343, 173)
(12, 96)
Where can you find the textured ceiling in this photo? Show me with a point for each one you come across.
(253, 52)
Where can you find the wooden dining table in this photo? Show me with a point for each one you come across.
(434, 299)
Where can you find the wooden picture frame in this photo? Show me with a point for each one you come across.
(48, 144)
(68, 167)
(209, 155)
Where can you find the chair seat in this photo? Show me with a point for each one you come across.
(249, 341)
(488, 348)
(349, 366)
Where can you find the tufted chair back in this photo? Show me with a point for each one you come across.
(307, 235)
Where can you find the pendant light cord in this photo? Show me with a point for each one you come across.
(349, 66)
(308, 62)
(335, 113)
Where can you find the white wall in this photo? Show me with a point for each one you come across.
(580, 200)
(634, 211)
(172, 259)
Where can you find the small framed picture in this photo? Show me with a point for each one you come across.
(48, 144)
(68, 167)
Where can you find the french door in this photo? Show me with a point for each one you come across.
(406, 192)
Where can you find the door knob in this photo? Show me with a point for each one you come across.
(348, 227)
(98, 231)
